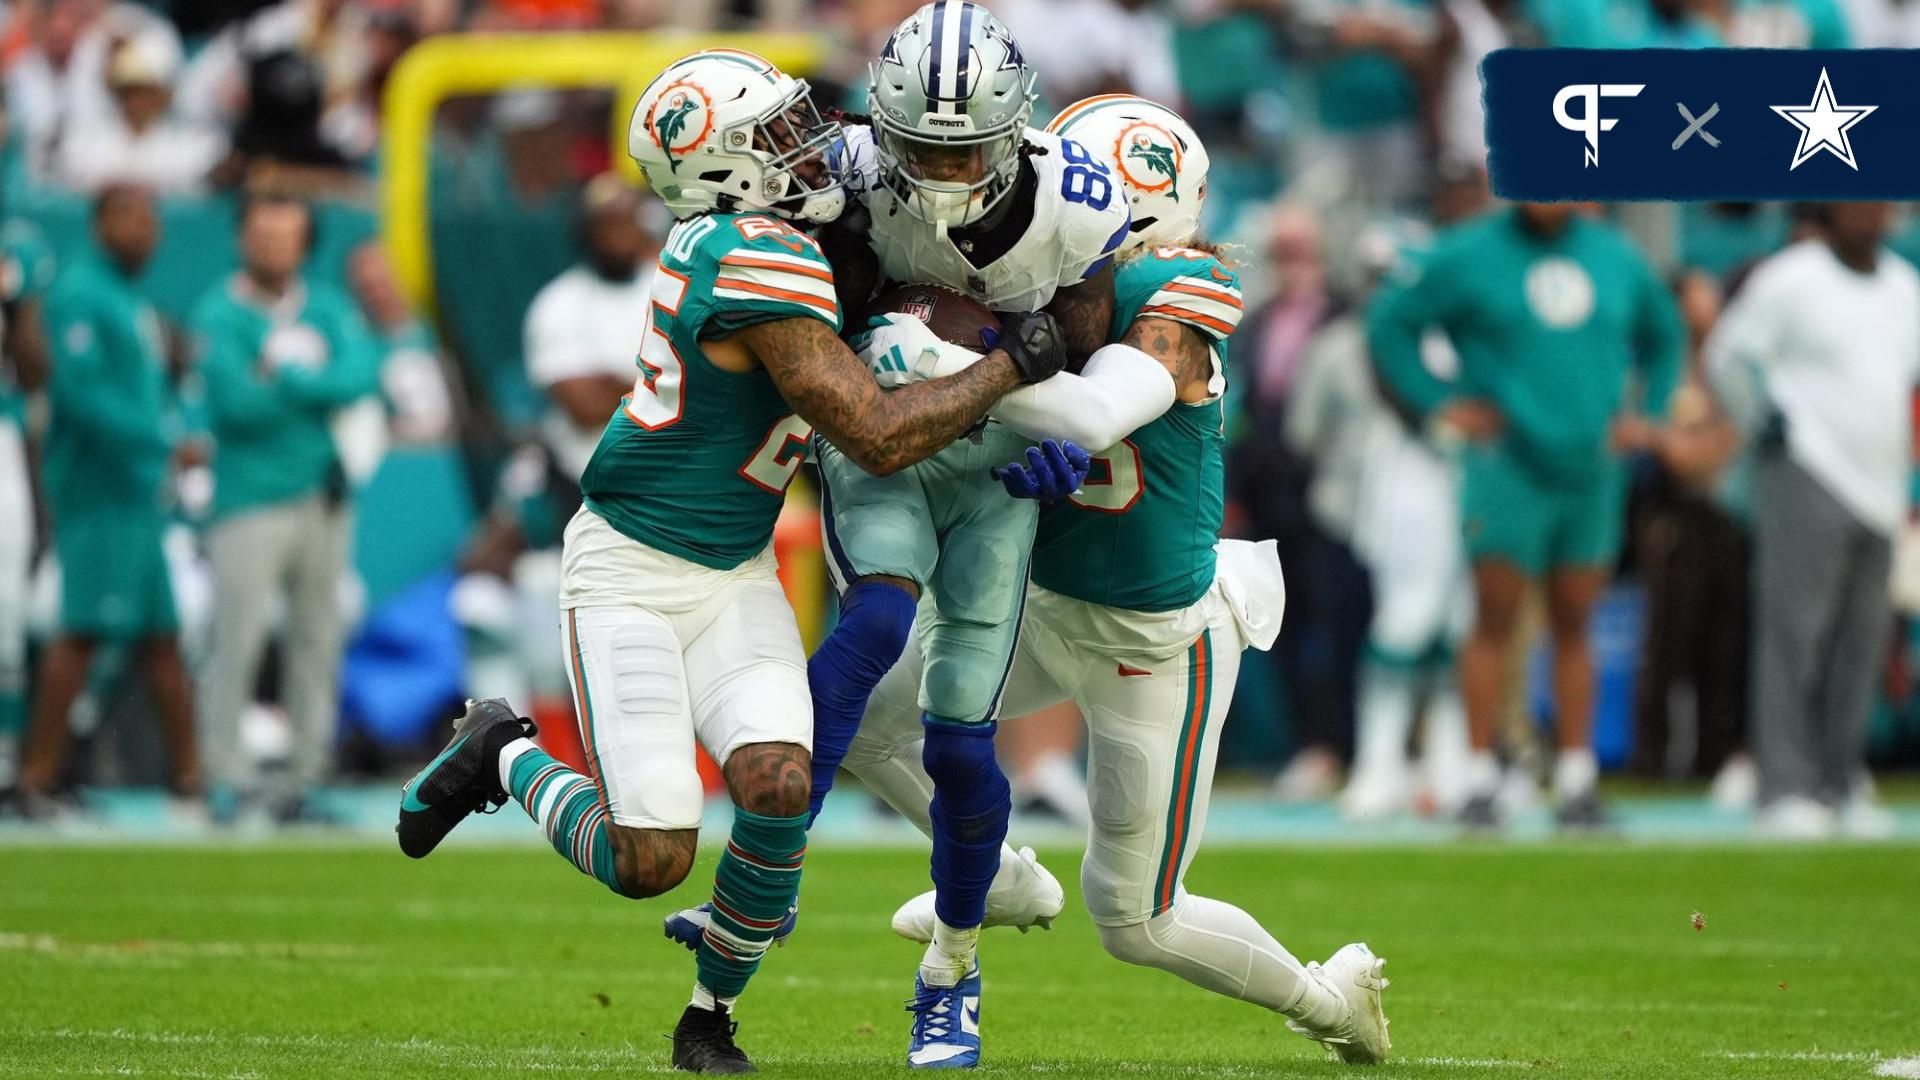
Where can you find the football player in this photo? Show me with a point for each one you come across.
(960, 193)
(1146, 639)
(677, 629)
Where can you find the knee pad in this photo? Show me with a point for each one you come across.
(971, 794)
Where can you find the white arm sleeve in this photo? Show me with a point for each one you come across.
(1120, 389)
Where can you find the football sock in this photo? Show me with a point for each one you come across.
(876, 618)
(563, 803)
(1385, 715)
(971, 802)
(704, 998)
(1219, 947)
(1483, 773)
(949, 955)
(753, 889)
(1575, 772)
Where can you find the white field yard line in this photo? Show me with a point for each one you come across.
(137, 947)
(1901, 1068)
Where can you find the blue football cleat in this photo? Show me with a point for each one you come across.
(946, 1024)
(687, 927)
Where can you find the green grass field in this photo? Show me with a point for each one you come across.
(352, 962)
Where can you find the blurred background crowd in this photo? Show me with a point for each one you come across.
(354, 495)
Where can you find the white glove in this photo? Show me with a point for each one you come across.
(902, 350)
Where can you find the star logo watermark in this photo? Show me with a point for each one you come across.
(1823, 125)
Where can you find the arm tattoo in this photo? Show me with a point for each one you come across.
(1085, 313)
(1183, 350)
(774, 779)
(881, 431)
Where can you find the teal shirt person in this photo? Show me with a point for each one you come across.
(1367, 89)
(114, 420)
(26, 273)
(1551, 327)
(274, 371)
(114, 416)
(1551, 330)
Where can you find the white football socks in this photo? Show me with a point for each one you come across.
(1219, 947)
(704, 998)
(510, 754)
(949, 955)
(1575, 772)
(1483, 773)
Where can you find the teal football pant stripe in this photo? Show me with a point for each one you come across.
(567, 806)
(753, 889)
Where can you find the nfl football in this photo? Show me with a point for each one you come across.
(954, 317)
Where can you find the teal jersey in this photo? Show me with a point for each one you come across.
(113, 415)
(274, 372)
(1551, 330)
(26, 272)
(1139, 534)
(697, 460)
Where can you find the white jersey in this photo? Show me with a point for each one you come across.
(1080, 219)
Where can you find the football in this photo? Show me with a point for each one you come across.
(954, 317)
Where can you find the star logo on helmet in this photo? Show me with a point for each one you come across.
(1149, 158)
(1014, 61)
(891, 54)
(674, 114)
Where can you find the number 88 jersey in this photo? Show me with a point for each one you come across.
(697, 460)
(1079, 220)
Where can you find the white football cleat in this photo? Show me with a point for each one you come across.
(1024, 894)
(1354, 973)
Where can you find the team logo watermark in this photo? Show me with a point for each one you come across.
(1703, 124)
(1590, 123)
(1823, 125)
(680, 120)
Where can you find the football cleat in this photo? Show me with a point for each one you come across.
(689, 925)
(703, 1042)
(1354, 973)
(464, 779)
(946, 1023)
(1024, 895)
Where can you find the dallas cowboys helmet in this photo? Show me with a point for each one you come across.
(725, 130)
(1158, 157)
(950, 97)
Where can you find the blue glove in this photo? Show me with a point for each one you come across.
(1054, 470)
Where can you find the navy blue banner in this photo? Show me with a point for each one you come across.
(1627, 124)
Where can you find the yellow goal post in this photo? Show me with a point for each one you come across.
(454, 65)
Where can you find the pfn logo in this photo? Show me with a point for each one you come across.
(1589, 122)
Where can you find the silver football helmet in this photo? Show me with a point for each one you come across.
(950, 97)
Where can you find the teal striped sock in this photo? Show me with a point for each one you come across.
(754, 887)
(567, 805)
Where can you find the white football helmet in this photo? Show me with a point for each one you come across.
(725, 130)
(1158, 157)
(950, 97)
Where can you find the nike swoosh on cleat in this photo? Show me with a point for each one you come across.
(409, 802)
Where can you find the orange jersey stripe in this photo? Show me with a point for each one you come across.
(828, 306)
(820, 273)
(1188, 315)
(1221, 295)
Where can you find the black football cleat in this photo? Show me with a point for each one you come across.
(703, 1042)
(464, 779)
